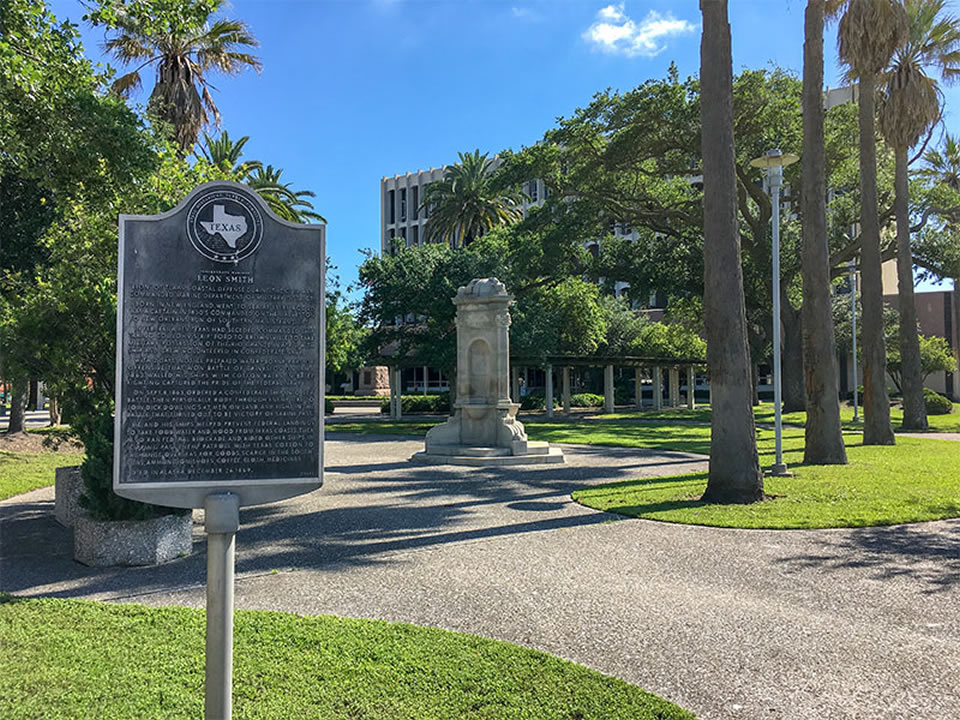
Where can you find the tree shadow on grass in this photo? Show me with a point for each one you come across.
(925, 552)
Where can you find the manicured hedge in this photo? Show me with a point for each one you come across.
(937, 404)
(586, 400)
(436, 403)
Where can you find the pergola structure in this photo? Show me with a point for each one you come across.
(656, 365)
(608, 363)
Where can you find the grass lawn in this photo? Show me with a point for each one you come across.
(71, 659)
(764, 414)
(382, 427)
(938, 423)
(915, 480)
(22, 472)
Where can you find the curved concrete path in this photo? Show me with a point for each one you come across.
(729, 624)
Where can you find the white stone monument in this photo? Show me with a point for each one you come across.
(484, 429)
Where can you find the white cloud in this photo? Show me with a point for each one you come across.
(614, 32)
(523, 13)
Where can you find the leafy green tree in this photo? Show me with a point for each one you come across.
(63, 142)
(909, 108)
(344, 334)
(936, 355)
(468, 202)
(407, 303)
(178, 38)
(565, 318)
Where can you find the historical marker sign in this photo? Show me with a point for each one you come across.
(220, 343)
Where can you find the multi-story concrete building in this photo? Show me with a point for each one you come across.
(401, 199)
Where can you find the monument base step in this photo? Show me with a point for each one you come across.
(469, 450)
(551, 456)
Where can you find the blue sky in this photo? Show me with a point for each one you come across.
(353, 90)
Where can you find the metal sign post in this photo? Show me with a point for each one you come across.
(220, 341)
(221, 520)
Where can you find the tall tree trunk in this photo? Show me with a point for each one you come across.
(734, 475)
(876, 402)
(20, 389)
(914, 406)
(54, 410)
(823, 436)
(33, 395)
(791, 359)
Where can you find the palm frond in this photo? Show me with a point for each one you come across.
(125, 84)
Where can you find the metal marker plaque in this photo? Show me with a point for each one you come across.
(220, 343)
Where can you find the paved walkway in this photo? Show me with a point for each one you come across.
(933, 435)
(730, 624)
(32, 419)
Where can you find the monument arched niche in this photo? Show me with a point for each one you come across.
(481, 387)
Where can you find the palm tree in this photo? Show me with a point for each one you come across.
(184, 47)
(467, 203)
(224, 154)
(734, 475)
(824, 438)
(943, 166)
(910, 107)
(869, 33)
(286, 202)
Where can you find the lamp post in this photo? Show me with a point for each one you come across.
(774, 162)
(853, 329)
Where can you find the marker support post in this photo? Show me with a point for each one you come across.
(221, 521)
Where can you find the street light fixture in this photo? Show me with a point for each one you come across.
(774, 162)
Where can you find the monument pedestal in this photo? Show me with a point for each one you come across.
(484, 429)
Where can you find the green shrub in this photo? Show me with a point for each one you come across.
(436, 403)
(586, 400)
(327, 406)
(937, 404)
(533, 401)
(93, 424)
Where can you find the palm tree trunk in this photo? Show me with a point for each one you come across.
(823, 436)
(734, 475)
(20, 388)
(914, 407)
(876, 402)
(791, 359)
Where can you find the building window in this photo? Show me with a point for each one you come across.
(391, 210)
(403, 234)
(416, 202)
(403, 205)
(416, 235)
(532, 191)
